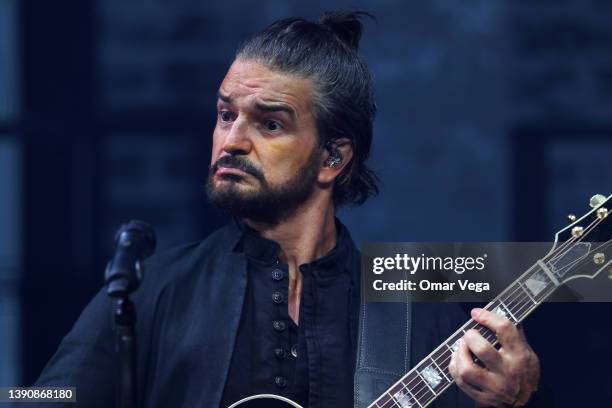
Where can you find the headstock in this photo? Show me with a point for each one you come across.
(583, 249)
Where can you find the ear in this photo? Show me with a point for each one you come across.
(343, 149)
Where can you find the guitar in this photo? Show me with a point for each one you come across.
(581, 250)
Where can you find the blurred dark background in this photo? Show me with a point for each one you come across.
(494, 123)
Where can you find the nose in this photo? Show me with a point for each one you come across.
(237, 140)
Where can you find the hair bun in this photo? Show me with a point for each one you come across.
(346, 25)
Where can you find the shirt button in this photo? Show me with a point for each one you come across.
(279, 325)
(277, 274)
(281, 382)
(277, 297)
(280, 353)
(294, 350)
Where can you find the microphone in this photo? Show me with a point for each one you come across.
(134, 242)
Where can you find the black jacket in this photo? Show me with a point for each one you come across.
(189, 308)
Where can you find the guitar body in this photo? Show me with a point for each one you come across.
(265, 401)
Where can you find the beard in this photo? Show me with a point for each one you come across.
(269, 204)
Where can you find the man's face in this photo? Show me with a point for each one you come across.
(265, 157)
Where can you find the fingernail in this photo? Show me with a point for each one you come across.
(476, 311)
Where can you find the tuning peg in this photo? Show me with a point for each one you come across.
(571, 217)
(602, 213)
(597, 200)
(577, 231)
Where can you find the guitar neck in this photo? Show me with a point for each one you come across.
(428, 379)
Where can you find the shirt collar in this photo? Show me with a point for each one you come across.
(258, 248)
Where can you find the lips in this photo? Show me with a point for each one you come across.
(222, 171)
(236, 167)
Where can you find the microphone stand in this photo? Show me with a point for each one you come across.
(125, 320)
(134, 241)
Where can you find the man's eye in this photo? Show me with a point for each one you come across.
(273, 125)
(225, 116)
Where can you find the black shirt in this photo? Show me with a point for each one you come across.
(311, 363)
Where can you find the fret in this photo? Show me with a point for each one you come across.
(539, 284)
(420, 389)
(400, 403)
(455, 341)
(517, 304)
(440, 370)
(512, 296)
(548, 272)
(523, 308)
(427, 383)
(413, 397)
(499, 310)
(384, 399)
(522, 302)
(486, 333)
(527, 293)
(398, 395)
(441, 357)
(449, 348)
(508, 311)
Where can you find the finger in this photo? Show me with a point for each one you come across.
(482, 349)
(467, 370)
(457, 368)
(483, 398)
(521, 332)
(507, 334)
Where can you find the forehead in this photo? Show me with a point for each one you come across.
(248, 79)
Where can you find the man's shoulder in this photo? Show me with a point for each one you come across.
(193, 258)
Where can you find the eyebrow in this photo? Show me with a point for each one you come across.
(224, 98)
(264, 107)
(275, 108)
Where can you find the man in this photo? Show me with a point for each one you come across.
(270, 303)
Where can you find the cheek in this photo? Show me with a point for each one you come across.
(286, 160)
(217, 143)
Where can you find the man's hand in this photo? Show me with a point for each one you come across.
(511, 374)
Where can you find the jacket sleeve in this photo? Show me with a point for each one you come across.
(86, 358)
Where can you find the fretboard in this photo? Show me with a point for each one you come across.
(428, 379)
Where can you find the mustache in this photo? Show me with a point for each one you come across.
(236, 162)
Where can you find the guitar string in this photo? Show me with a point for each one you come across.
(588, 230)
(517, 305)
(419, 392)
(424, 390)
(520, 311)
(528, 303)
(585, 232)
(441, 359)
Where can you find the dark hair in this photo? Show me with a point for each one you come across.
(326, 53)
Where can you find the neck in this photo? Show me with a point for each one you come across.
(304, 236)
(308, 234)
